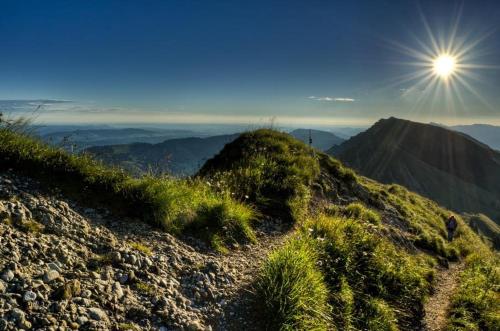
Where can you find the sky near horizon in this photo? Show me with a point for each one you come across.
(298, 62)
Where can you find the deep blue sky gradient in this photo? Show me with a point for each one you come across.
(236, 58)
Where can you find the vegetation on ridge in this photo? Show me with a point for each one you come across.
(363, 256)
(272, 170)
(171, 204)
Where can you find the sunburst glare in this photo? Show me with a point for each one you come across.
(444, 65)
(446, 62)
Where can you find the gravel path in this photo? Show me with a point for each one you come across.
(437, 307)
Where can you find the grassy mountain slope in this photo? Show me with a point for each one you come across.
(449, 167)
(321, 140)
(485, 227)
(183, 156)
(362, 255)
(172, 204)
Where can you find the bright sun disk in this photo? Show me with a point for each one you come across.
(444, 65)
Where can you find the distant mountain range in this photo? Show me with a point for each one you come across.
(321, 140)
(449, 167)
(83, 138)
(488, 134)
(183, 156)
(180, 156)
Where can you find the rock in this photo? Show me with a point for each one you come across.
(8, 275)
(50, 276)
(116, 257)
(54, 266)
(68, 290)
(97, 314)
(29, 296)
(81, 320)
(24, 324)
(117, 290)
(195, 326)
(3, 287)
(17, 315)
(86, 294)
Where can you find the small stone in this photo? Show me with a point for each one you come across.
(117, 290)
(50, 276)
(54, 266)
(81, 320)
(3, 287)
(17, 314)
(116, 257)
(68, 290)
(86, 294)
(24, 324)
(97, 314)
(123, 279)
(29, 296)
(8, 276)
(195, 326)
(132, 259)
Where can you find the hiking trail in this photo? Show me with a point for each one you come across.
(437, 307)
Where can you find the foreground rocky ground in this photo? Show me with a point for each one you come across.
(64, 266)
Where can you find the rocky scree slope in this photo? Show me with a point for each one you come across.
(62, 266)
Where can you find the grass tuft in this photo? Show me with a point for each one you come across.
(269, 168)
(141, 248)
(293, 289)
(171, 204)
(475, 306)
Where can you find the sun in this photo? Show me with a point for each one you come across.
(444, 65)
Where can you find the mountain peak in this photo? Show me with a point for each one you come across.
(447, 166)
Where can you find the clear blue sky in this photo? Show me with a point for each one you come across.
(241, 61)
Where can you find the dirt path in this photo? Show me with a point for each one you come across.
(437, 307)
(240, 309)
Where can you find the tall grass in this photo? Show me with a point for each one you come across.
(372, 284)
(269, 168)
(373, 269)
(294, 294)
(171, 204)
(274, 171)
(476, 304)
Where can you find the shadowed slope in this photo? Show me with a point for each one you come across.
(449, 167)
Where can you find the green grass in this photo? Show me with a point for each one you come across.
(371, 267)
(485, 227)
(293, 292)
(273, 170)
(141, 248)
(269, 168)
(366, 276)
(127, 326)
(423, 220)
(172, 204)
(476, 304)
(31, 226)
(355, 210)
(145, 288)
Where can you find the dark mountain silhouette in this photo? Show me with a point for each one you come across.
(450, 167)
(182, 156)
(322, 140)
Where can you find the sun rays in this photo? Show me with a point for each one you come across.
(446, 68)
